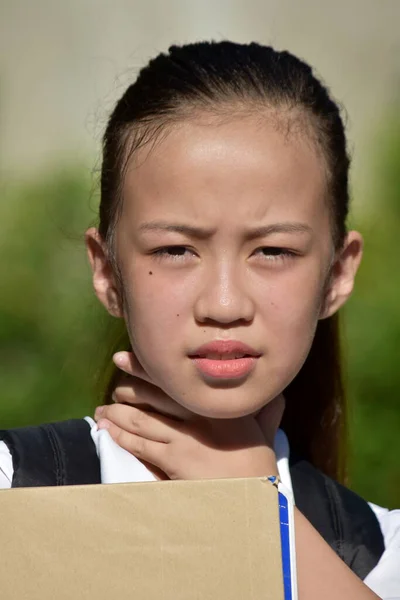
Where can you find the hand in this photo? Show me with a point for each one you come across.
(182, 445)
(134, 387)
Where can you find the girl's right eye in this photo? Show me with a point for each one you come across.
(173, 253)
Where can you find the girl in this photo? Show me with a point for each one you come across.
(222, 244)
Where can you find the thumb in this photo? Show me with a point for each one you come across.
(127, 362)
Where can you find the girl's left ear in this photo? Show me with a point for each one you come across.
(104, 281)
(343, 272)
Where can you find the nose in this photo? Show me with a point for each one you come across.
(225, 298)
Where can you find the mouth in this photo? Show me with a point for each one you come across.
(225, 359)
(223, 356)
(225, 350)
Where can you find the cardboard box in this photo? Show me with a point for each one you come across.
(170, 540)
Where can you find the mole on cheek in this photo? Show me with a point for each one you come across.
(177, 315)
(150, 272)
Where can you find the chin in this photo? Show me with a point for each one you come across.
(217, 408)
(224, 400)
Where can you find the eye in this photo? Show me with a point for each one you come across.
(173, 253)
(274, 253)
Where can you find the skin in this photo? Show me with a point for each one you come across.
(268, 290)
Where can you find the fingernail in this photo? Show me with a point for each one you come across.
(119, 358)
(98, 412)
(103, 424)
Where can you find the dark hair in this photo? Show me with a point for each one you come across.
(222, 77)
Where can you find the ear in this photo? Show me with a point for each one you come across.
(343, 272)
(104, 281)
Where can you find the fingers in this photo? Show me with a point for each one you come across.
(127, 362)
(148, 451)
(135, 387)
(136, 392)
(132, 390)
(150, 426)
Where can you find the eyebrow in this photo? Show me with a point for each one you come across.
(196, 232)
(285, 227)
(203, 233)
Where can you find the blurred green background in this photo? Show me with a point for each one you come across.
(53, 77)
(53, 332)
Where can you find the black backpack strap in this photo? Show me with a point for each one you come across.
(342, 518)
(53, 454)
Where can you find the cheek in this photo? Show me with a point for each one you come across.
(155, 308)
(292, 311)
(295, 309)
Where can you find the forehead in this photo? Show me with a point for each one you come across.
(246, 168)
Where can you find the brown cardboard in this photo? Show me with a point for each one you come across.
(181, 540)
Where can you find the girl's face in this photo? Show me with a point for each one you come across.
(225, 237)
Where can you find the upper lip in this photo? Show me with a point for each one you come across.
(224, 349)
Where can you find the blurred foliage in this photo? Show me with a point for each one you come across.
(53, 332)
(50, 322)
(372, 331)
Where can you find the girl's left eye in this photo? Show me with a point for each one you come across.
(173, 253)
(273, 253)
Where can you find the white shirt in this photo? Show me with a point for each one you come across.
(119, 466)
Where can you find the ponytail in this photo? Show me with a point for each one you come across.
(315, 418)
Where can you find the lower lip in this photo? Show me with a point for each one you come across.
(226, 369)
